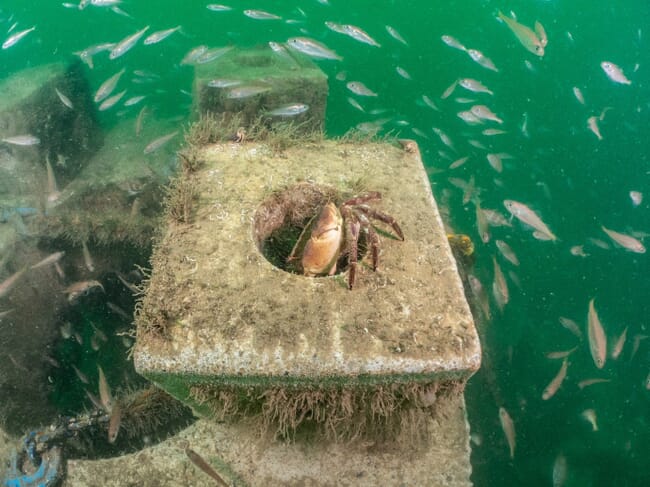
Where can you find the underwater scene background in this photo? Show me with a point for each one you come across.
(572, 156)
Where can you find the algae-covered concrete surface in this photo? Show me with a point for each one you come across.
(231, 317)
(241, 458)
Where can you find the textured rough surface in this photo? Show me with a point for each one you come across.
(233, 318)
(241, 458)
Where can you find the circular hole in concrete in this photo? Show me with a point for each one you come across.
(281, 218)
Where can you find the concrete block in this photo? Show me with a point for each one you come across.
(226, 331)
(279, 80)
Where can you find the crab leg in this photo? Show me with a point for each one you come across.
(378, 215)
(352, 230)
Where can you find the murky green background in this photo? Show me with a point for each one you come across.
(574, 181)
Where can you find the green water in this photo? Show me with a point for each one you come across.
(574, 181)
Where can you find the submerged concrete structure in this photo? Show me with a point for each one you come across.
(234, 336)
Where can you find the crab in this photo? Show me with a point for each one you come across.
(335, 232)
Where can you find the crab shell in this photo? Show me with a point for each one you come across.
(318, 253)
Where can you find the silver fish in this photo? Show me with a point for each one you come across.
(160, 35)
(395, 35)
(626, 241)
(50, 259)
(507, 252)
(453, 42)
(193, 54)
(64, 99)
(597, 338)
(474, 85)
(312, 48)
(246, 91)
(104, 391)
(481, 59)
(111, 101)
(16, 37)
(614, 73)
(212, 54)
(223, 83)
(555, 384)
(78, 289)
(290, 110)
(107, 87)
(159, 142)
(134, 100)
(114, 422)
(508, 427)
(358, 88)
(360, 35)
(127, 43)
(9, 283)
(484, 113)
(529, 217)
(215, 7)
(261, 15)
(26, 139)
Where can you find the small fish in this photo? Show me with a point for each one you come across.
(66, 330)
(260, 15)
(589, 415)
(479, 293)
(529, 217)
(507, 252)
(453, 42)
(139, 120)
(495, 161)
(52, 188)
(126, 44)
(360, 35)
(159, 142)
(94, 399)
(561, 354)
(107, 87)
(614, 73)
(193, 54)
(203, 465)
(355, 104)
(590, 382)
(212, 54)
(160, 35)
(450, 89)
(81, 288)
(10, 282)
(482, 224)
(358, 88)
(50, 259)
(312, 48)
(508, 427)
(64, 99)
(82, 377)
(597, 338)
(578, 251)
(111, 101)
(626, 241)
(559, 471)
(290, 110)
(223, 83)
(395, 35)
(491, 132)
(578, 94)
(500, 286)
(469, 118)
(215, 7)
(12, 40)
(429, 102)
(620, 343)
(555, 384)
(88, 260)
(480, 58)
(134, 100)
(458, 162)
(636, 197)
(114, 422)
(104, 391)
(484, 113)
(592, 124)
(534, 42)
(403, 73)
(24, 140)
(474, 86)
(571, 325)
(246, 91)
